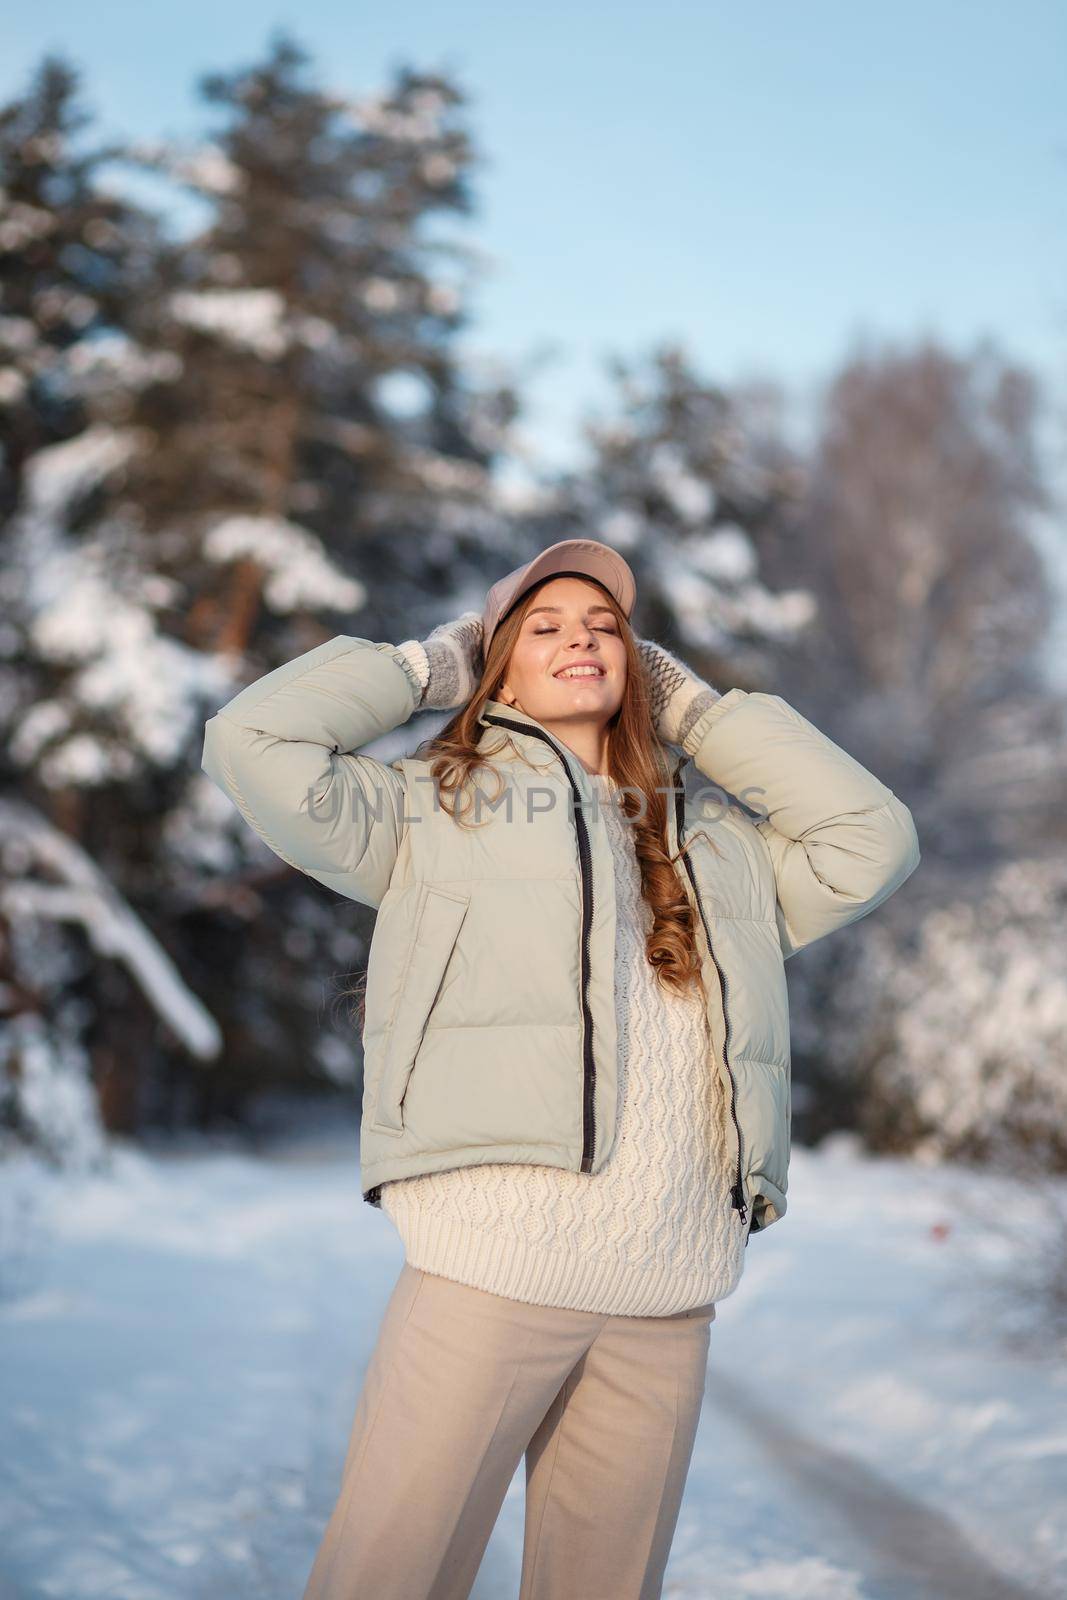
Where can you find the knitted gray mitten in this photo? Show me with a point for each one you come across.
(448, 663)
(679, 698)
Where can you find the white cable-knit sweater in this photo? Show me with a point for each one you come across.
(651, 1234)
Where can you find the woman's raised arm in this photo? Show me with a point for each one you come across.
(286, 750)
(839, 840)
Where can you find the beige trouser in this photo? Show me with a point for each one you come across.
(461, 1384)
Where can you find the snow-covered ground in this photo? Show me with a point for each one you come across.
(183, 1344)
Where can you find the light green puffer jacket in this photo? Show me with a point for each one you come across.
(490, 1030)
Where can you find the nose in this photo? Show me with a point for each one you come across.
(583, 637)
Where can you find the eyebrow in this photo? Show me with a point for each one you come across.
(558, 609)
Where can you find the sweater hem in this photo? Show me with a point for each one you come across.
(514, 1267)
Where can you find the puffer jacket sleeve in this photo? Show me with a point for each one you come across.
(286, 750)
(840, 841)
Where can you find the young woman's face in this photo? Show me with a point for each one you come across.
(569, 661)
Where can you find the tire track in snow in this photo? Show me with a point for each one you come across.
(918, 1553)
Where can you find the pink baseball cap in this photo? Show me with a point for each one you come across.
(585, 557)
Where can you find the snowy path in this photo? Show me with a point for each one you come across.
(183, 1345)
(904, 1549)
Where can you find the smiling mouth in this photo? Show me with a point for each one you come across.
(580, 672)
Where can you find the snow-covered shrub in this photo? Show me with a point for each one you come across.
(951, 1038)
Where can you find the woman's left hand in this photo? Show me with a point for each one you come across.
(677, 695)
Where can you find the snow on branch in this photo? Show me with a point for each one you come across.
(253, 319)
(299, 572)
(58, 474)
(83, 894)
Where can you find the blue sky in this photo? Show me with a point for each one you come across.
(764, 184)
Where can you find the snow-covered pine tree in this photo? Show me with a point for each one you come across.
(687, 479)
(74, 260)
(240, 477)
(315, 316)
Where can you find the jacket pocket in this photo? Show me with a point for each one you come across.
(438, 919)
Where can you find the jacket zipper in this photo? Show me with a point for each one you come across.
(738, 1191)
(585, 861)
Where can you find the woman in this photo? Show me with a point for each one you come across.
(576, 1099)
